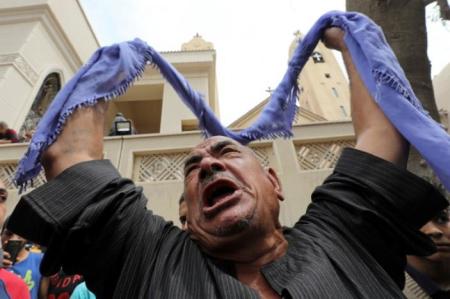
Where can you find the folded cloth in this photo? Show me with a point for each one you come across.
(111, 70)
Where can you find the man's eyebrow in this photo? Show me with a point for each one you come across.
(220, 145)
(214, 149)
(192, 160)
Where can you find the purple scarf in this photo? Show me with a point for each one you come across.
(111, 70)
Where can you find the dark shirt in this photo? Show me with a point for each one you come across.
(351, 243)
(9, 134)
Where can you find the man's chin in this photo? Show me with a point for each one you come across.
(439, 257)
(231, 221)
(229, 229)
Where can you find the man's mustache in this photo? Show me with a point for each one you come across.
(218, 174)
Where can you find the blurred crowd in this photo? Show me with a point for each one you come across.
(20, 277)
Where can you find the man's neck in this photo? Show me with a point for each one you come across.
(253, 278)
(253, 251)
(439, 272)
(249, 253)
(248, 271)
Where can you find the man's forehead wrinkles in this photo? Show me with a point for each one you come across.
(221, 144)
(215, 139)
(209, 146)
(212, 143)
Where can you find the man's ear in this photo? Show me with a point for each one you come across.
(273, 177)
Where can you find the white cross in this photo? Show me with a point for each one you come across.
(317, 56)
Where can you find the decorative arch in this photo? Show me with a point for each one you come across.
(47, 92)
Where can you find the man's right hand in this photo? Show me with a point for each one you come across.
(333, 38)
(81, 140)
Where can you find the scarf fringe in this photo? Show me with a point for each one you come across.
(36, 148)
(277, 129)
(33, 150)
(385, 78)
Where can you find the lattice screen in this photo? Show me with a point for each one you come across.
(321, 155)
(160, 167)
(7, 171)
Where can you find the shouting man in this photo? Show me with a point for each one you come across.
(351, 243)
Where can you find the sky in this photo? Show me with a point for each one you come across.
(251, 37)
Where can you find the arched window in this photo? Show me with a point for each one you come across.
(317, 57)
(45, 95)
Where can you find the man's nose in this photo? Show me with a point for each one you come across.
(209, 166)
(435, 233)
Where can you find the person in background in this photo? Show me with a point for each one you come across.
(118, 119)
(27, 135)
(7, 135)
(11, 286)
(3, 198)
(429, 277)
(61, 285)
(26, 265)
(82, 292)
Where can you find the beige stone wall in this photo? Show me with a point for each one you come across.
(17, 76)
(198, 67)
(441, 84)
(174, 111)
(442, 94)
(76, 27)
(325, 89)
(38, 37)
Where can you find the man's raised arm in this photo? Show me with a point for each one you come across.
(375, 134)
(81, 140)
(92, 221)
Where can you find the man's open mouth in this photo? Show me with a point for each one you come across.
(219, 195)
(443, 247)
